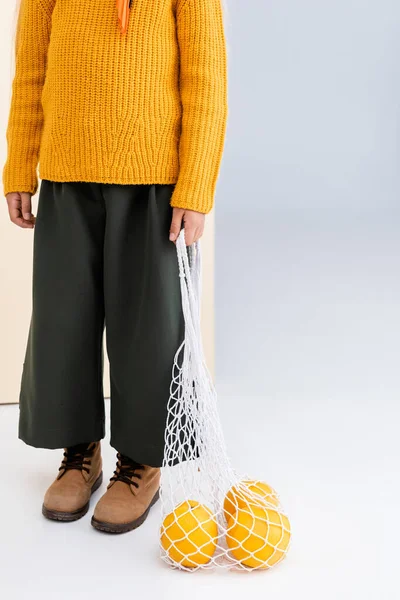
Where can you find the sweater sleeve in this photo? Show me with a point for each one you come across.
(25, 121)
(203, 91)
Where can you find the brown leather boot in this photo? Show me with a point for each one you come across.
(67, 499)
(132, 491)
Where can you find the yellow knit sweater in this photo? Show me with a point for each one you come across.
(91, 104)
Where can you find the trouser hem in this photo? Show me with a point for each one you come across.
(60, 438)
(150, 456)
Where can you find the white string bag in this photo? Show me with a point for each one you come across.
(210, 515)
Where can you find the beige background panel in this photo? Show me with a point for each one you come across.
(15, 303)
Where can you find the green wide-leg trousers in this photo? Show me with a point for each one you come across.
(102, 258)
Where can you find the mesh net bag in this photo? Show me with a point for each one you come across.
(211, 516)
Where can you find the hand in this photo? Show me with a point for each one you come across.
(193, 223)
(20, 209)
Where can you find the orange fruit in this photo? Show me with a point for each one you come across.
(189, 534)
(258, 537)
(248, 492)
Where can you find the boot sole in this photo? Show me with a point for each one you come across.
(124, 527)
(57, 515)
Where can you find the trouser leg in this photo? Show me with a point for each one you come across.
(61, 398)
(143, 312)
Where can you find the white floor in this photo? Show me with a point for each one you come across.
(308, 380)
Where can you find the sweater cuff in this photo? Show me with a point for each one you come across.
(190, 196)
(16, 181)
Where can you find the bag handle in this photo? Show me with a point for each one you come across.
(189, 261)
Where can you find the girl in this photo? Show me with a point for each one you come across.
(123, 105)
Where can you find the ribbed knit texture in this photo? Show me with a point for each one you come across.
(91, 104)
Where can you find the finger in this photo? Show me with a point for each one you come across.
(26, 225)
(14, 211)
(176, 224)
(189, 235)
(15, 216)
(21, 223)
(14, 201)
(196, 238)
(199, 233)
(26, 206)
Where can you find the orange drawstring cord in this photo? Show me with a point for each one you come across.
(123, 14)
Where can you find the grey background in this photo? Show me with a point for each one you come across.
(307, 202)
(314, 99)
(307, 280)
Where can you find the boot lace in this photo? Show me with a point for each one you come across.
(77, 457)
(126, 470)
